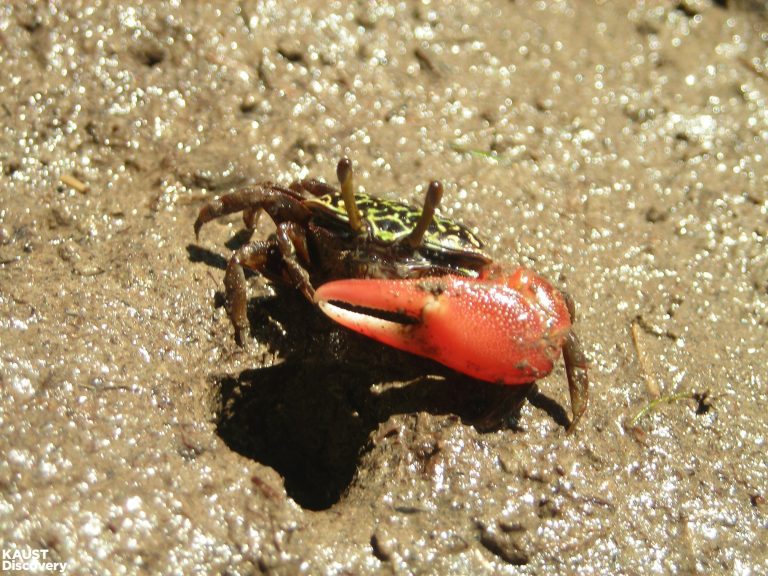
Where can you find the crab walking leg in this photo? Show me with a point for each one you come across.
(294, 250)
(276, 259)
(576, 364)
(255, 256)
(280, 203)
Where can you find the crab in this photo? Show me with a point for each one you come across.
(407, 277)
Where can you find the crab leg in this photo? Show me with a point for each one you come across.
(576, 364)
(277, 258)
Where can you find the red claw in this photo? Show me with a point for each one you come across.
(507, 330)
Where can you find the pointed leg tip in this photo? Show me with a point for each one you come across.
(198, 226)
(572, 426)
(241, 338)
(578, 415)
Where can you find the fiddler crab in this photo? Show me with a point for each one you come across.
(408, 278)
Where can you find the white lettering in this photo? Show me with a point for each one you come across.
(30, 560)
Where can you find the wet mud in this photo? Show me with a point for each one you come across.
(617, 148)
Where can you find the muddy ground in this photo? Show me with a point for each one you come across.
(619, 149)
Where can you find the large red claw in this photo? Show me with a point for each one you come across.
(507, 330)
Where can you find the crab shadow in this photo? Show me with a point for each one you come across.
(311, 415)
(310, 421)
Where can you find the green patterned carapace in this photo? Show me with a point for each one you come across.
(389, 222)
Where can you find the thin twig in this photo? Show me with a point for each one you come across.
(650, 381)
(74, 183)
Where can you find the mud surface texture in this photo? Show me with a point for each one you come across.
(618, 149)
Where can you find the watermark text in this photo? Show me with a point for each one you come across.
(30, 560)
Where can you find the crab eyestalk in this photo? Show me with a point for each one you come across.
(434, 195)
(344, 173)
